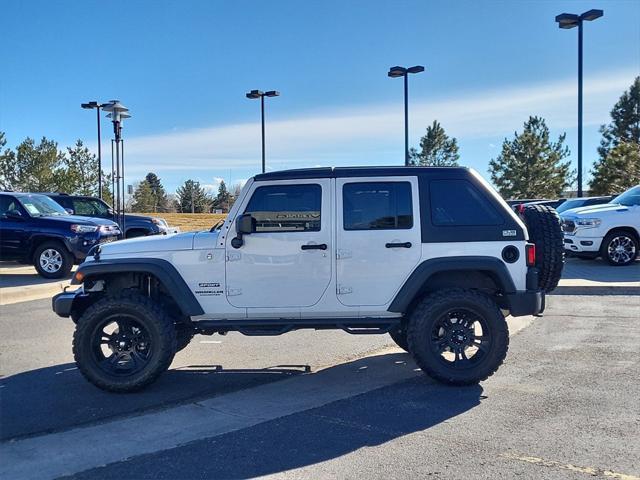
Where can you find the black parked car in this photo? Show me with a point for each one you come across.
(36, 230)
(135, 225)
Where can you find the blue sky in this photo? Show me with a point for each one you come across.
(182, 67)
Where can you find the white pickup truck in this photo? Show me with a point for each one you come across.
(610, 230)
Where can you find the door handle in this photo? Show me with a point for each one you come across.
(322, 246)
(398, 245)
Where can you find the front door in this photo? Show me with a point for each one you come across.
(287, 261)
(12, 230)
(378, 237)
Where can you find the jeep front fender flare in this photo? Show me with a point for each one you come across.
(492, 266)
(161, 269)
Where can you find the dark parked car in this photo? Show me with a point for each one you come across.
(36, 230)
(134, 225)
(582, 202)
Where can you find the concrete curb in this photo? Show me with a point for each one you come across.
(26, 293)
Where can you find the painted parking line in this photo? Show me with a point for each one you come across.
(592, 471)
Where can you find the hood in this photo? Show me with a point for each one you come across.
(138, 218)
(153, 243)
(71, 219)
(594, 210)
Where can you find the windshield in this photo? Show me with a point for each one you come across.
(629, 198)
(41, 206)
(89, 207)
(569, 204)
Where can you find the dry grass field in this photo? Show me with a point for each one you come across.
(189, 222)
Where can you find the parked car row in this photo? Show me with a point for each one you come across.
(55, 231)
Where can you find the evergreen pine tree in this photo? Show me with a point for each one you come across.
(436, 148)
(530, 165)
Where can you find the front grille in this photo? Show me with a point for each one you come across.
(107, 240)
(568, 226)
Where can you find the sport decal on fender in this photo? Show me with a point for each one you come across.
(208, 285)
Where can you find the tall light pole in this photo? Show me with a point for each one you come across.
(253, 94)
(97, 106)
(567, 21)
(117, 113)
(395, 72)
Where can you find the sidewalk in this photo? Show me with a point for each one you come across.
(21, 283)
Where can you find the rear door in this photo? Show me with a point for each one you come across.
(378, 237)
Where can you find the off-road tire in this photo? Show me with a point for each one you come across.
(543, 224)
(184, 334)
(162, 335)
(429, 310)
(604, 249)
(399, 335)
(65, 255)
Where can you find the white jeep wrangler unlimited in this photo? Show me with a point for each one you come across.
(432, 256)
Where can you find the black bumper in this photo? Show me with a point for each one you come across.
(62, 303)
(528, 302)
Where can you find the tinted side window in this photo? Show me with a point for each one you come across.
(459, 203)
(286, 208)
(377, 206)
(7, 203)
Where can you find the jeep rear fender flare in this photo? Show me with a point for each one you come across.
(164, 271)
(493, 267)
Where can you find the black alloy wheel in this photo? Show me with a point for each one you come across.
(461, 338)
(122, 346)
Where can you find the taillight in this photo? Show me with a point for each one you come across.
(530, 250)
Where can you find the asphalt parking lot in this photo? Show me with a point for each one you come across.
(331, 405)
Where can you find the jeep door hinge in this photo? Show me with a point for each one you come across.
(342, 290)
(233, 257)
(341, 254)
(232, 292)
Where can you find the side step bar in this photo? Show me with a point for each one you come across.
(278, 326)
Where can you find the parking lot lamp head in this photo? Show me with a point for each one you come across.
(567, 20)
(395, 72)
(253, 94)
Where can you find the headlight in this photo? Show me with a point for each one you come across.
(159, 221)
(84, 228)
(588, 222)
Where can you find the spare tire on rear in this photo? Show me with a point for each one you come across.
(543, 224)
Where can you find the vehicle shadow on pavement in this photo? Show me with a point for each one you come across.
(58, 397)
(310, 437)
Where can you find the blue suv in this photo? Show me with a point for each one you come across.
(135, 225)
(36, 230)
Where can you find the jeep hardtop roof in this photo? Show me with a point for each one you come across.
(337, 172)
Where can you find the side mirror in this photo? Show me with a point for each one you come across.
(70, 211)
(245, 224)
(13, 214)
(110, 211)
